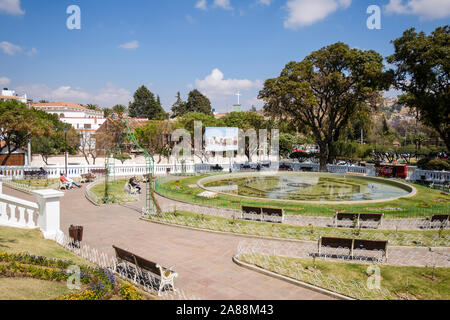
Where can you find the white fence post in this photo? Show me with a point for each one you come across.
(49, 213)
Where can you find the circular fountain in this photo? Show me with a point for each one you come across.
(320, 188)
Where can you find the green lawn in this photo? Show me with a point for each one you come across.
(402, 282)
(14, 240)
(425, 203)
(38, 183)
(117, 190)
(31, 289)
(311, 233)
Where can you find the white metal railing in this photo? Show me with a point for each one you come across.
(17, 173)
(18, 213)
(346, 169)
(53, 172)
(434, 176)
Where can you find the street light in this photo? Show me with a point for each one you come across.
(65, 145)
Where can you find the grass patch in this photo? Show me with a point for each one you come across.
(402, 282)
(14, 240)
(433, 238)
(31, 289)
(37, 183)
(117, 191)
(425, 203)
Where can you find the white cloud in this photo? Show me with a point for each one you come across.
(214, 85)
(201, 4)
(425, 9)
(11, 7)
(4, 81)
(133, 45)
(10, 48)
(305, 12)
(108, 96)
(265, 2)
(224, 4)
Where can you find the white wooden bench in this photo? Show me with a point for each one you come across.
(130, 189)
(166, 275)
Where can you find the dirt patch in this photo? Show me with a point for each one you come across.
(406, 296)
(430, 278)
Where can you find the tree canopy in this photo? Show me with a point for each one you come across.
(145, 105)
(325, 90)
(422, 72)
(20, 124)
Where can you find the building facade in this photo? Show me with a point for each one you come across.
(85, 121)
(11, 94)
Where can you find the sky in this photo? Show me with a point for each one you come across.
(219, 47)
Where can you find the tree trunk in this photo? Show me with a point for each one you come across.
(323, 156)
(323, 163)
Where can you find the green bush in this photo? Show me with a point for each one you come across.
(434, 164)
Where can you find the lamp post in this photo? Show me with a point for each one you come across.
(65, 146)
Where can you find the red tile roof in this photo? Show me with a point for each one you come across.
(58, 104)
(11, 97)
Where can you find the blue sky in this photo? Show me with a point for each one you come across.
(216, 46)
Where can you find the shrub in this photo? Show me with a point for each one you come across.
(434, 164)
(129, 292)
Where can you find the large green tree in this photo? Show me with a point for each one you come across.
(422, 72)
(18, 124)
(325, 90)
(197, 102)
(179, 107)
(155, 137)
(145, 105)
(54, 143)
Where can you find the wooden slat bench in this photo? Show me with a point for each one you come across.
(437, 221)
(166, 275)
(374, 218)
(87, 177)
(262, 214)
(352, 245)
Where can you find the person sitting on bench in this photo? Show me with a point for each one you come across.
(68, 182)
(134, 183)
(42, 173)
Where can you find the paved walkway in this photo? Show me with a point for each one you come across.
(203, 260)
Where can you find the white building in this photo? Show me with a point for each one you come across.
(83, 120)
(11, 94)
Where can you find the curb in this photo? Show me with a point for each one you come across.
(290, 280)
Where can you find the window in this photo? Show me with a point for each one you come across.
(87, 126)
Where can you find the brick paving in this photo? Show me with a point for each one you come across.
(203, 260)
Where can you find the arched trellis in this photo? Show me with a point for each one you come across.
(151, 203)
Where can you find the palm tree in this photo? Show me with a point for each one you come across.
(119, 109)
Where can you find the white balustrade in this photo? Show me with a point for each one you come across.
(43, 214)
(432, 176)
(11, 206)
